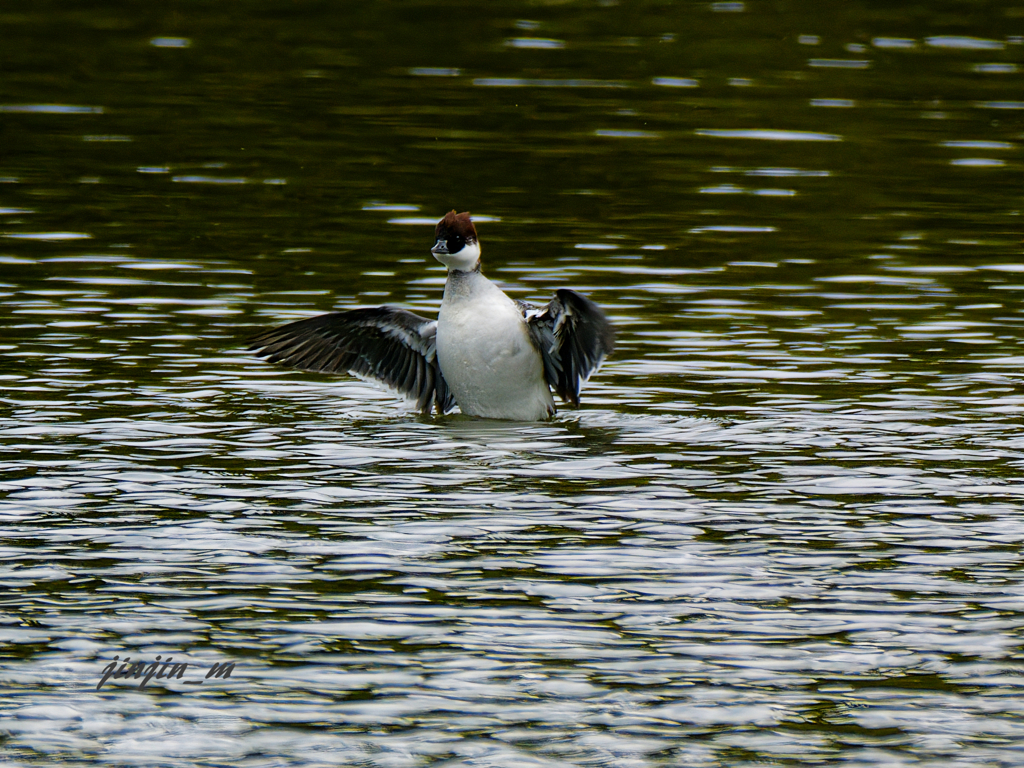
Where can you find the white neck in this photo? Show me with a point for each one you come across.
(464, 261)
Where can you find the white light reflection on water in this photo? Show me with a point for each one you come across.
(696, 566)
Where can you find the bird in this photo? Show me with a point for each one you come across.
(493, 356)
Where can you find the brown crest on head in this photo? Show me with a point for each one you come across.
(455, 226)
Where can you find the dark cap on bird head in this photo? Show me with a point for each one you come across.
(458, 224)
(453, 232)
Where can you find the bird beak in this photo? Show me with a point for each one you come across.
(440, 248)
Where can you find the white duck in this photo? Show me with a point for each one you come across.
(493, 356)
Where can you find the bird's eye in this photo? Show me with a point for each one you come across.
(456, 243)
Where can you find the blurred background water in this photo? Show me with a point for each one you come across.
(785, 527)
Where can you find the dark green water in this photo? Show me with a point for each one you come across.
(785, 527)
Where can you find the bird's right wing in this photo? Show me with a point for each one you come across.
(392, 346)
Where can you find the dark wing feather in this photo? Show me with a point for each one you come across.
(573, 337)
(393, 346)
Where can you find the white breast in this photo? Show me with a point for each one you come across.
(486, 355)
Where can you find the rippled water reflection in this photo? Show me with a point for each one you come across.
(784, 528)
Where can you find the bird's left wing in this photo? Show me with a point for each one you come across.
(573, 337)
(392, 346)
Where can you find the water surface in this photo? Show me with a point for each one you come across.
(785, 527)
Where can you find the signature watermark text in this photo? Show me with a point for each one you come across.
(160, 669)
